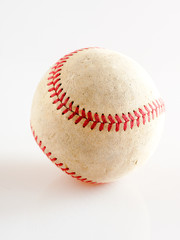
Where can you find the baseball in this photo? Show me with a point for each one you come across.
(97, 115)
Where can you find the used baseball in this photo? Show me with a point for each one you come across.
(97, 115)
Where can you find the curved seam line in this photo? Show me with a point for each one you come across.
(59, 164)
(156, 106)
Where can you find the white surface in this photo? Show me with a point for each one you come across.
(37, 201)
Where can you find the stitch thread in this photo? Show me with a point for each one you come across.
(60, 165)
(151, 110)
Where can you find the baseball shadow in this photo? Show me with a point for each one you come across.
(42, 191)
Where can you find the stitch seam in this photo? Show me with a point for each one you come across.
(150, 110)
(55, 161)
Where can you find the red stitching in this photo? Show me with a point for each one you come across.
(55, 101)
(70, 106)
(60, 106)
(58, 93)
(58, 86)
(156, 107)
(72, 115)
(89, 115)
(50, 83)
(143, 115)
(62, 97)
(77, 110)
(126, 121)
(93, 125)
(85, 122)
(111, 119)
(53, 95)
(44, 148)
(65, 111)
(78, 119)
(101, 126)
(132, 120)
(53, 159)
(60, 165)
(54, 82)
(138, 118)
(148, 112)
(103, 118)
(152, 111)
(96, 116)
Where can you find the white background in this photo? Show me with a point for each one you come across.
(37, 201)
